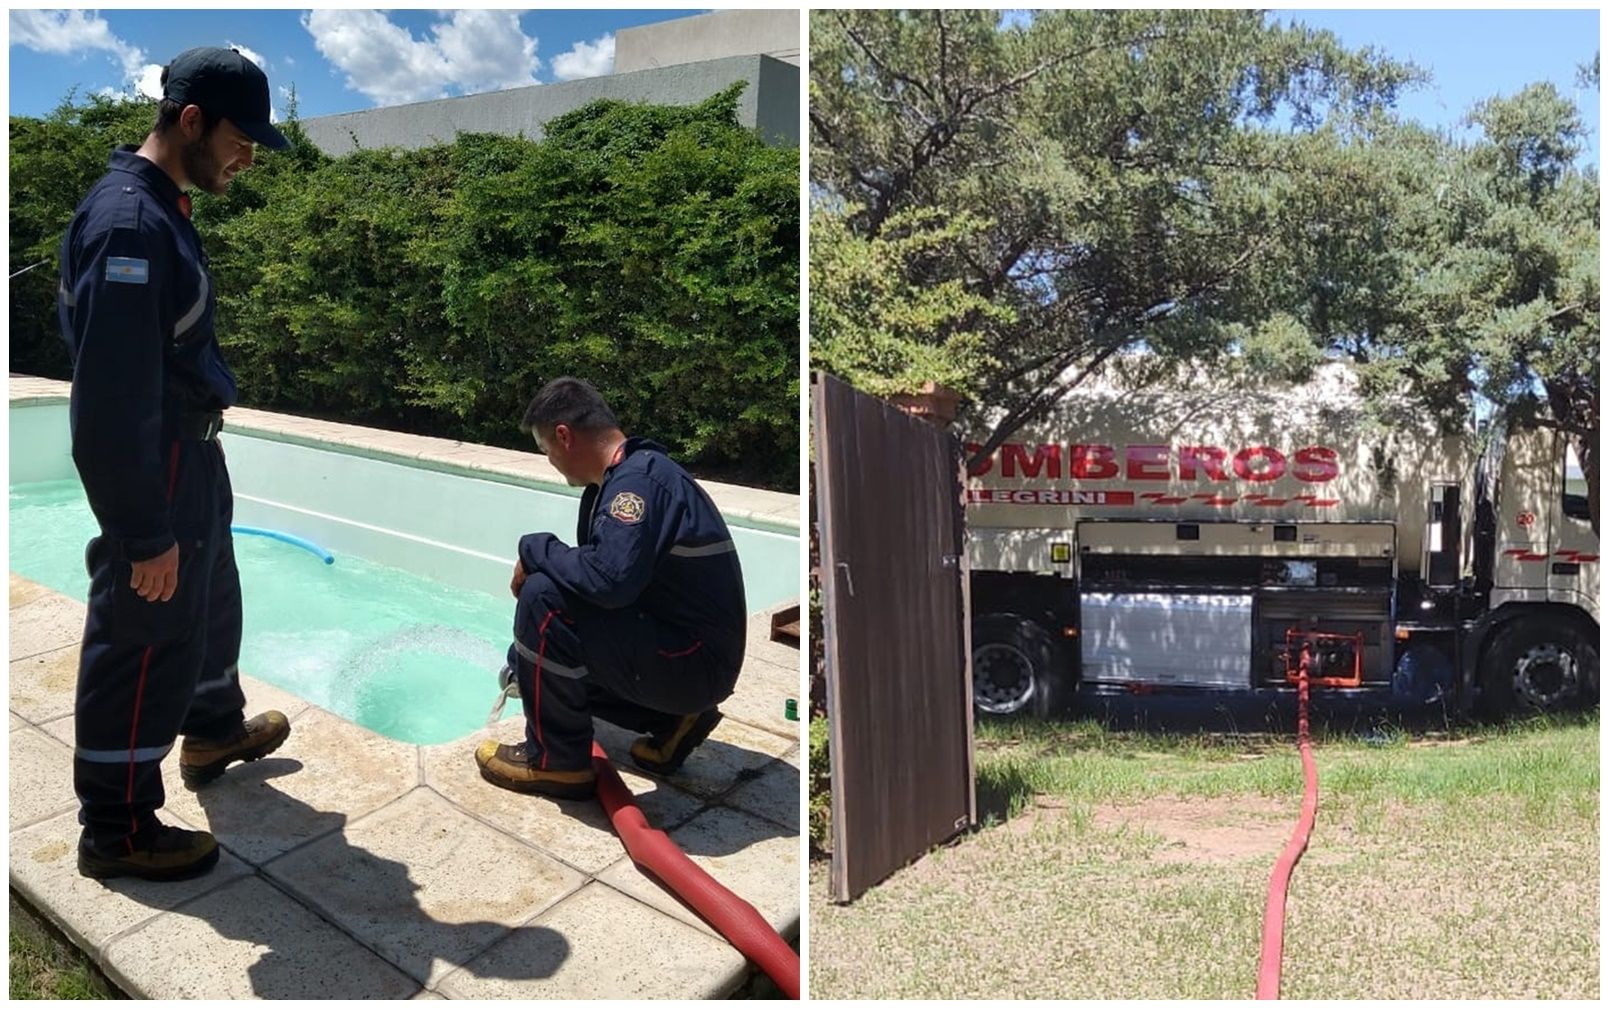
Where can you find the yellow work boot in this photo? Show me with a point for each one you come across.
(662, 753)
(204, 760)
(510, 767)
(164, 853)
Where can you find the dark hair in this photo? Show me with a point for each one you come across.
(571, 401)
(168, 111)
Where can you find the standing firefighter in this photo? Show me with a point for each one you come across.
(641, 623)
(149, 387)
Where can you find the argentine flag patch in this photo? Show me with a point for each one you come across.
(123, 270)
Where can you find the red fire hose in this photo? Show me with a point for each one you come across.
(735, 918)
(1274, 910)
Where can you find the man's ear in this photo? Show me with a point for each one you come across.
(564, 435)
(192, 121)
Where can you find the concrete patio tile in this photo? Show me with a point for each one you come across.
(40, 777)
(43, 686)
(264, 696)
(328, 773)
(576, 832)
(16, 723)
(50, 622)
(24, 591)
(774, 795)
(733, 753)
(424, 884)
(754, 859)
(761, 697)
(760, 646)
(601, 944)
(44, 870)
(249, 940)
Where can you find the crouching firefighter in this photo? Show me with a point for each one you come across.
(149, 388)
(641, 623)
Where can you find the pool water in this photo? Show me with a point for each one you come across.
(404, 655)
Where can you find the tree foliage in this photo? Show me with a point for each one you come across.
(652, 250)
(1118, 159)
(1193, 184)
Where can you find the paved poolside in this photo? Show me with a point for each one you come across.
(356, 866)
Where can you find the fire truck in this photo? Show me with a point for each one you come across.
(1188, 537)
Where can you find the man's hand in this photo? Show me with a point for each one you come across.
(519, 579)
(155, 580)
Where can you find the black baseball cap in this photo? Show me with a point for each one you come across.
(227, 84)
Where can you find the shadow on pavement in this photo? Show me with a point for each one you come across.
(375, 890)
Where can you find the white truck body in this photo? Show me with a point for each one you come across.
(1171, 535)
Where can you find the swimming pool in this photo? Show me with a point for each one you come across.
(405, 632)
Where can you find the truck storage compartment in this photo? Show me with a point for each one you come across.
(1181, 639)
(1338, 612)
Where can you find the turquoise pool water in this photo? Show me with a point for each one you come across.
(406, 656)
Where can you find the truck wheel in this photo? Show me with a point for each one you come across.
(1535, 665)
(1015, 668)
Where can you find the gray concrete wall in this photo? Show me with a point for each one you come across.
(774, 33)
(771, 102)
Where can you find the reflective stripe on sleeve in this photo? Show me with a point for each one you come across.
(194, 314)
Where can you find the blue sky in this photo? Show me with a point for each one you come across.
(1473, 55)
(338, 61)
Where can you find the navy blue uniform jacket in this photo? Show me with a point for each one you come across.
(649, 536)
(136, 307)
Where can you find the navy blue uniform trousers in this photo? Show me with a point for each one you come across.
(152, 670)
(574, 660)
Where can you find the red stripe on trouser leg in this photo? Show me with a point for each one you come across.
(133, 735)
(536, 685)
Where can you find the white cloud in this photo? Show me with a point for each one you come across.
(250, 54)
(71, 31)
(586, 59)
(148, 83)
(471, 51)
(486, 51)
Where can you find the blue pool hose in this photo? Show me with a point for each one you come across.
(295, 541)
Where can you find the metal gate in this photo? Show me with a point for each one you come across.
(899, 676)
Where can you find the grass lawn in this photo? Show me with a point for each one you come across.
(44, 965)
(1113, 864)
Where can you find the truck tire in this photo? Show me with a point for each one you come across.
(1536, 665)
(1017, 668)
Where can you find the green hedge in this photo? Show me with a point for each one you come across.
(650, 249)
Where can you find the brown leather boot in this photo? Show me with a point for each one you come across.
(510, 767)
(662, 753)
(165, 853)
(204, 760)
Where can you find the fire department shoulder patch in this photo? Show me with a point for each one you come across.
(627, 507)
